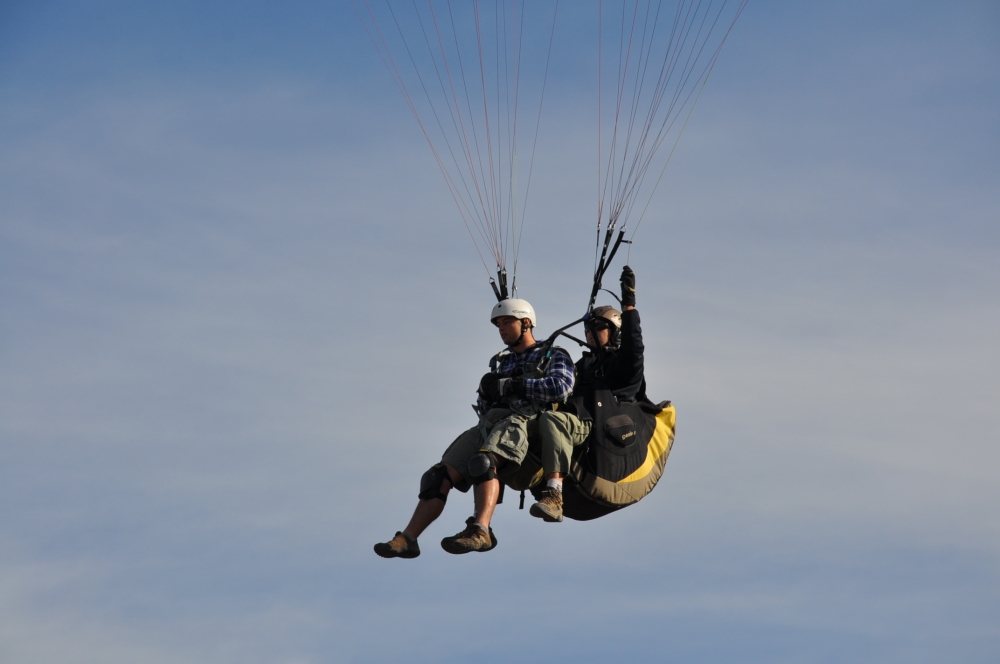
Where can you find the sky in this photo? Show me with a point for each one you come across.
(240, 316)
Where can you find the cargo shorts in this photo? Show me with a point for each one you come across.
(501, 432)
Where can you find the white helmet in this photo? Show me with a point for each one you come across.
(519, 309)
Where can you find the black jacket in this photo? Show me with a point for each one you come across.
(621, 370)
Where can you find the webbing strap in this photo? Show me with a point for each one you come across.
(605, 261)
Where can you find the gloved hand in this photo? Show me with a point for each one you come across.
(493, 388)
(628, 287)
(490, 388)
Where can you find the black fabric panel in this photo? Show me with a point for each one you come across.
(605, 453)
(577, 506)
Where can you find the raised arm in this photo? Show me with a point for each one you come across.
(629, 368)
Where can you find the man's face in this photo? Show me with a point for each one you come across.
(603, 334)
(510, 329)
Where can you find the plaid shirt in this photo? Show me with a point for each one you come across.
(556, 385)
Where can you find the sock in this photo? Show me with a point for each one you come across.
(480, 526)
(409, 538)
(554, 484)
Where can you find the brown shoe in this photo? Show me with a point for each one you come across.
(473, 538)
(493, 538)
(550, 507)
(399, 546)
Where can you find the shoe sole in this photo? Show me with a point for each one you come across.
(393, 554)
(448, 544)
(451, 548)
(540, 512)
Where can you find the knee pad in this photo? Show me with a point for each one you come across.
(431, 481)
(482, 468)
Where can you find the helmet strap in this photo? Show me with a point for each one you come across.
(524, 329)
(614, 336)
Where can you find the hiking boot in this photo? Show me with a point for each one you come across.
(493, 538)
(399, 546)
(473, 538)
(550, 507)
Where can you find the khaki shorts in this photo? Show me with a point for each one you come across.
(502, 432)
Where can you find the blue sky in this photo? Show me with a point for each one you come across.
(240, 317)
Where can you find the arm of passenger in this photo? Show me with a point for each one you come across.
(630, 354)
(557, 383)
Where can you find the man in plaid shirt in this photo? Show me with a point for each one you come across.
(552, 387)
(525, 380)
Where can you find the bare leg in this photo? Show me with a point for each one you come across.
(486, 495)
(424, 515)
(554, 476)
(427, 511)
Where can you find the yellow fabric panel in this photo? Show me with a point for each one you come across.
(658, 444)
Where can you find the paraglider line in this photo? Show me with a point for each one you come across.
(396, 75)
(693, 105)
(534, 144)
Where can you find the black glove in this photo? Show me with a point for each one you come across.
(489, 388)
(492, 387)
(628, 287)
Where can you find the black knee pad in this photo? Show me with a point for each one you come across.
(431, 481)
(482, 468)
